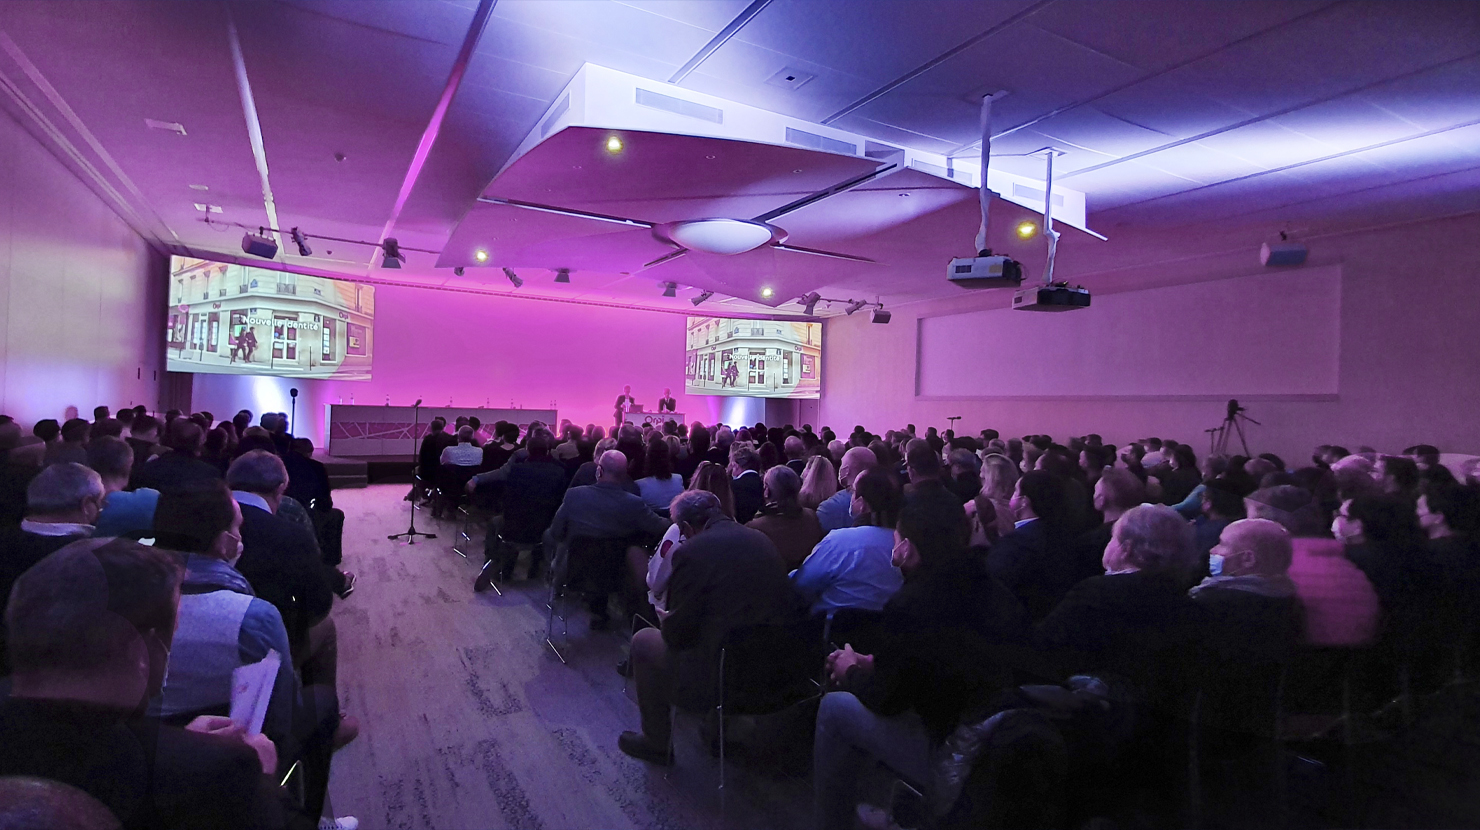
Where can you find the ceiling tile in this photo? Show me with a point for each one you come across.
(710, 15)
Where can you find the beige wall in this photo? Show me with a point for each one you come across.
(80, 299)
(1409, 354)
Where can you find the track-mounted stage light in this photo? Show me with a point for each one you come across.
(302, 242)
(458, 271)
(856, 305)
(670, 289)
(702, 297)
(393, 256)
(513, 277)
(809, 302)
(562, 275)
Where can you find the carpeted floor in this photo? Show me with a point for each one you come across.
(469, 721)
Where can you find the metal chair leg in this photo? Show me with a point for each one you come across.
(556, 591)
(492, 583)
(464, 536)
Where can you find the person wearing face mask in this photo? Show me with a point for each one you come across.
(851, 567)
(938, 657)
(62, 503)
(223, 626)
(92, 630)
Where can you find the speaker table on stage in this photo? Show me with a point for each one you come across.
(360, 430)
(639, 417)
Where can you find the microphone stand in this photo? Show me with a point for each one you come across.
(411, 531)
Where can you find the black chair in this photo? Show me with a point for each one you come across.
(527, 514)
(592, 566)
(452, 482)
(857, 627)
(764, 670)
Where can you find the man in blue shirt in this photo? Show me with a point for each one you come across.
(851, 567)
(125, 513)
(833, 513)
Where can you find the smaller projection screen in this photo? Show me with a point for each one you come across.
(753, 358)
(238, 320)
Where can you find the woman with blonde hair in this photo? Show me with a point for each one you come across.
(819, 482)
(999, 477)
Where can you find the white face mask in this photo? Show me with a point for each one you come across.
(240, 547)
(1215, 564)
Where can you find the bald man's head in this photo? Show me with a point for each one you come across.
(856, 462)
(1254, 547)
(611, 466)
(40, 804)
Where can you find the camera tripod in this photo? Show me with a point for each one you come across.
(1233, 423)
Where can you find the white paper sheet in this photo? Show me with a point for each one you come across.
(251, 691)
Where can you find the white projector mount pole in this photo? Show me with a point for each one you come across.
(982, 193)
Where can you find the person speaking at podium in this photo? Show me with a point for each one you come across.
(624, 403)
(667, 403)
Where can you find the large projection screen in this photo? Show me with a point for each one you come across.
(753, 358)
(234, 319)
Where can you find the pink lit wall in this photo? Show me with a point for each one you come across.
(81, 307)
(1408, 354)
(480, 349)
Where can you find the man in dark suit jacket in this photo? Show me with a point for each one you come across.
(64, 500)
(746, 485)
(667, 403)
(181, 466)
(71, 716)
(725, 576)
(279, 558)
(531, 492)
(601, 511)
(1036, 560)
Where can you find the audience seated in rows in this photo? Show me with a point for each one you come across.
(181, 465)
(836, 511)
(125, 512)
(660, 484)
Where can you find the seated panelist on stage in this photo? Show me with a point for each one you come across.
(667, 403)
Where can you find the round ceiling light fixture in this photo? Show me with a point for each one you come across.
(480, 255)
(722, 236)
(1027, 230)
(613, 145)
(767, 292)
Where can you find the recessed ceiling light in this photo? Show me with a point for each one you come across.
(767, 292)
(481, 255)
(200, 187)
(1026, 230)
(711, 158)
(575, 167)
(613, 144)
(798, 170)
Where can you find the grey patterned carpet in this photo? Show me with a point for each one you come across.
(469, 721)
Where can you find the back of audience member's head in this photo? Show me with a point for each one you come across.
(793, 447)
(999, 477)
(111, 458)
(1448, 508)
(744, 458)
(696, 510)
(302, 446)
(254, 439)
(76, 431)
(191, 519)
(1224, 499)
(932, 522)
(782, 488)
(1118, 491)
(1255, 547)
(438, 423)
(879, 492)
(1044, 494)
(768, 455)
(464, 434)
(269, 421)
(1399, 475)
(100, 413)
(1290, 506)
(1388, 524)
(10, 436)
(184, 437)
(106, 428)
(43, 804)
(65, 492)
(1183, 458)
(819, 482)
(714, 478)
(259, 471)
(964, 461)
(242, 420)
(539, 446)
(922, 461)
(659, 459)
(1152, 538)
(125, 416)
(1425, 455)
(144, 427)
(97, 614)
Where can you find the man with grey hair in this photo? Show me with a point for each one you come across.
(601, 511)
(724, 438)
(62, 503)
(464, 453)
(1136, 621)
(794, 449)
(834, 513)
(725, 576)
(281, 558)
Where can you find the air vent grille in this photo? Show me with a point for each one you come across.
(813, 141)
(678, 106)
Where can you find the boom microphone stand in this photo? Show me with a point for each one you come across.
(411, 532)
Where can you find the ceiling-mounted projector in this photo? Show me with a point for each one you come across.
(259, 245)
(1056, 297)
(985, 271)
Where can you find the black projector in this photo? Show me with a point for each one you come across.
(1055, 297)
(262, 246)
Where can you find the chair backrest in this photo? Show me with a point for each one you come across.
(857, 627)
(766, 668)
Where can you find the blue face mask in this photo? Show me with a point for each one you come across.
(1215, 564)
